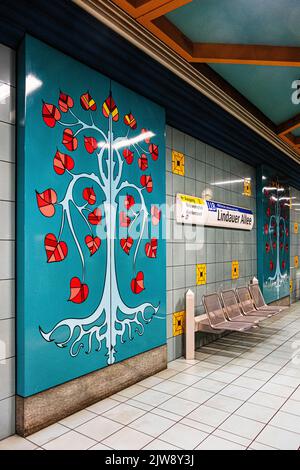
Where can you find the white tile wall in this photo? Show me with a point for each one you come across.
(7, 243)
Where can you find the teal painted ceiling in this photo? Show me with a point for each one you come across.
(266, 22)
(269, 88)
(274, 22)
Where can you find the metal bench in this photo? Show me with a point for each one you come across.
(259, 300)
(233, 310)
(247, 304)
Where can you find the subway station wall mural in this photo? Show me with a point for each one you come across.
(273, 200)
(91, 244)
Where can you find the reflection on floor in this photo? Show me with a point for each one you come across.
(242, 392)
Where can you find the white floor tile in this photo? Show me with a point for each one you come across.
(223, 376)
(292, 406)
(127, 439)
(296, 395)
(267, 400)
(250, 383)
(70, 441)
(16, 443)
(195, 394)
(166, 414)
(166, 374)
(132, 391)
(210, 385)
(152, 397)
(179, 406)
(184, 379)
(178, 365)
(99, 428)
(152, 424)
(216, 443)
(183, 436)
(167, 386)
(45, 435)
(259, 446)
(244, 427)
(103, 406)
(280, 379)
(279, 438)
(100, 446)
(77, 419)
(207, 415)
(234, 391)
(198, 425)
(224, 403)
(150, 382)
(123, 413)
(278, 390)
(228, 436)
(157, 444)
(286, 421)
(258, 374)
(255, 412)
(139, 404)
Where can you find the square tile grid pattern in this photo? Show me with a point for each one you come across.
(200, 258)
(241, 392)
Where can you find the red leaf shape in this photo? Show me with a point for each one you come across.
(87, 102)
(156, 215)
(95, 217)
(69, 141)
(65, 102)
(46, 201)
(62, 162)
(147, 182)
(143, 162)
(110, 108)
(137, 283)
(128, 155)
(90, 144)
(126, 244)
(55, 251)
(130, 121)
(129, 201)
(153, 149)
(93, 243)
(151, 248)
(147, 141)
(89, 195)
(51, 114)
(124, 219)
(78, 291)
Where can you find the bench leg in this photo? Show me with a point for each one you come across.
(190, 325)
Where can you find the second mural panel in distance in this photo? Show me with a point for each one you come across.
(91, 257)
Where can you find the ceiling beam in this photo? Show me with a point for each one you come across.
(138, 8)
(289, 125)
(246, 54)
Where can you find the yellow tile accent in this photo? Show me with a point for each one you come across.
(291, 285)
(295, 227)
(177, 163)
(235, 270)
(296, 261)
(178, 323)
(201, 274)
(247, 187)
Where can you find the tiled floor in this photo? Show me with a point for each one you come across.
(241, 392)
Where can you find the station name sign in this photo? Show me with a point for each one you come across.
(197, 211)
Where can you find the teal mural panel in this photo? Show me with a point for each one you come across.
(273, 237)
(91, 238)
